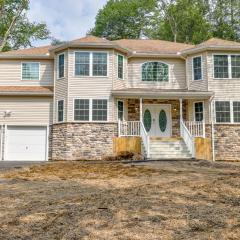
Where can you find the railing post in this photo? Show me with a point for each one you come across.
(119, 128)
(204, 130)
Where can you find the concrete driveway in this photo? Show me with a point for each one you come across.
(8, 165)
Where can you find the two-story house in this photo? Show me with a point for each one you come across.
(67, 102)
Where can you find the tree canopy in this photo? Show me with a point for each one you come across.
(15, 28)
(189, 21)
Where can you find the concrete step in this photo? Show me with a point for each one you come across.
(170, 156)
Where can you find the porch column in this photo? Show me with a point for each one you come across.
(140, 117)
(181, 111)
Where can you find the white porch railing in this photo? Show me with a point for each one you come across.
(197, 129)
(128, 128)
(145, 139)
(187, 137)
(134, 128)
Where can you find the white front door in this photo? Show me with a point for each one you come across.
(157, 120)
(26, 143)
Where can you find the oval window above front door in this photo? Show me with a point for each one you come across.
(147, 120)
(162, 120)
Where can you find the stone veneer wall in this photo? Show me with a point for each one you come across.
(134, 111)
(227, 142)
(83, 141)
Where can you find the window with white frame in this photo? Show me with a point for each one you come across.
(227, 66)
(60, 108)
(155, 71)
(61, 65)
(120, 66)
(197, 68)
(91, 64)
(223, 111)
(221, 69)
(236, 111)
(90, 109)
(198, 111)
(81, 110)
(235, 66)
(82, 63)
(99, 109)
(30, 71)
(120, 107)
(99, 66)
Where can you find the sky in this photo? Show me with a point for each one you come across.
(66, 19)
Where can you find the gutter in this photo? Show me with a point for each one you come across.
(25, 94)
(8, 56)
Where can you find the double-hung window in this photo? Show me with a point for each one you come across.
(91, 64)
(198, 109)
(120, 66)
(99, 66)
(236, 112)
(235, 66)
(99, 110)
(90, 109)
(30, 71)
(227, 66)
(223, 111)
(82, 63)
(61, 65)
(60, 111)
(81, 110)
(197, 68)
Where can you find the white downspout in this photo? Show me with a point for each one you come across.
(213, 129)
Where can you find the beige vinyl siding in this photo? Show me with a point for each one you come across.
(11, 73)
(26, 110)
(119, 83)
(191, 110)
(61, 87)
(177, 74)
(197, 84)
(225, 89)
(89, 87)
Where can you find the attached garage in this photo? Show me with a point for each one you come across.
(25, 143)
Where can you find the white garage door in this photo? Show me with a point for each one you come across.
(26, 143)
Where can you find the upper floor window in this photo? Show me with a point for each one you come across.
(91, 64)
(30, 71)
(221, 66)
(197, 68)
(61, 65)
(235, 65)
(120, 66)
(60, 111)
(226, 66)
(155, 71)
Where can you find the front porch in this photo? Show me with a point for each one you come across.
(165, 125)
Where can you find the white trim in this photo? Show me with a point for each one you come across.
(29, 80)
(193, 79)
(123, 66)
(194, 113)
(64, 65)
(90, 64)
(123, 109)
(229, 65)
(155, 82)
(63, 110)
(90, 109)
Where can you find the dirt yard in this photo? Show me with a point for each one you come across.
(163, 200)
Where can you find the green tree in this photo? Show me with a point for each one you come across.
(181, 21)
(123, 19)
(225, 19)
(15, 28)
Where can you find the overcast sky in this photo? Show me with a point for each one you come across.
(66, 19)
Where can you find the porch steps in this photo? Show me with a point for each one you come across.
(174, 148)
